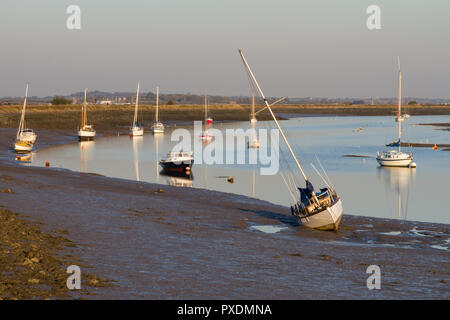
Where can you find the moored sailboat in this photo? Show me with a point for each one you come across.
(158, 126)
(253, 142)
(318, 210)
(206, 137)
(86, 131)
(137, 129)
(25, 137)
(397, 158)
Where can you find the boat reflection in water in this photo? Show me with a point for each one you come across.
(84, 148)
(137, 142)
(179, 179)
(398, 183)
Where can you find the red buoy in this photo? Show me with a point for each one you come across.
(47, 164)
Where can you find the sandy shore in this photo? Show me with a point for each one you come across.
(183, 243)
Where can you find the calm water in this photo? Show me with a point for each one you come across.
(366, 189)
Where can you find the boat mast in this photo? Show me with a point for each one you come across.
(136, 106)
(271, 113)
(22, 117)
(206, 106)
(399, 109)
(157, 101)
(83, 116)
(253, 104)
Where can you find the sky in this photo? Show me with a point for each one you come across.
(296, 48)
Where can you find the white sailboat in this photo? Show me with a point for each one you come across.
(253, 142)
(158, 127)
(137, 129)
(206, 137)
(397, 158)
(86, 131)
(318, 210)
(25, 137)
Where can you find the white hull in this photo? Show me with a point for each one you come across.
(22, 147)
(158, 128)
(395, 163)
(327, 219)
(82, 134)
(137, 131)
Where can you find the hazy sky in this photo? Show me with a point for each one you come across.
(296, 48)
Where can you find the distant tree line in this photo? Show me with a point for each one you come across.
(60, 101)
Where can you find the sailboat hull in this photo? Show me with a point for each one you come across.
(394, 159)
(22, 146)
(158, 128)
(86, 135)
(137, 131)
(394, 163)
(327, 219)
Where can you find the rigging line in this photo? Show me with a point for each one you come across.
(290, 180)
(317, 171)
(325, 173)
(290, 192)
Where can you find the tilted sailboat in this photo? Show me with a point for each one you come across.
(137, 129)
(25, 138)
(318, 210)
(397, 158)
(158, 127)
(86, 131)
(206, 137)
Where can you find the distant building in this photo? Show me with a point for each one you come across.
(106, 102)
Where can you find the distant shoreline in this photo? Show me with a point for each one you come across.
(117, 118)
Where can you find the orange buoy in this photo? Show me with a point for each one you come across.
(435, 147)
(47, 164)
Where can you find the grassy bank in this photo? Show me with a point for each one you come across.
(107, 118)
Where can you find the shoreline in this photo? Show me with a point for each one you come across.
(113, 118)
(126, 225)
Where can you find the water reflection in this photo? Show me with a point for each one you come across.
(382, 192)
(179, 180)
(85, 146)
(158, 139)
(137, 143)
(398, 183)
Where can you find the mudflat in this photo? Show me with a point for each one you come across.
(162, 242)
